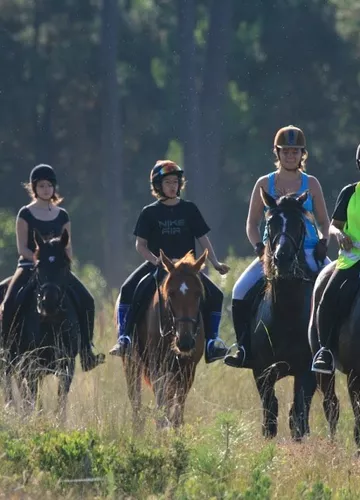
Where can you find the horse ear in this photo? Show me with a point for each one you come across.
(64, 240)
(38, 239)
(303, 197)
(200, 262)
(267, 199)
(167, 263)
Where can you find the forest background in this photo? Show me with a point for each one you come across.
(101, 90)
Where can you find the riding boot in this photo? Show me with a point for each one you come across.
(241, 313)
(215, 346)
(89, 359)
(123, 344)
(5, 327)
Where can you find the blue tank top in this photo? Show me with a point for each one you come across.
(311, 237)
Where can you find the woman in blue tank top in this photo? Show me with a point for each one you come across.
(289, 178)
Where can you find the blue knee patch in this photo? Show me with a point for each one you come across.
(121, 318)
(215, 323)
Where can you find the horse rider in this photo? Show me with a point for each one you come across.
(345, 226)
(43, 214)
(290, 177)
(171, 224)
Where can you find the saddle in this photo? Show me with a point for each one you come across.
(143, 294)
(255, 294)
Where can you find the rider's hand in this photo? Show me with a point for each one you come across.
(157, 262)
(320, 250)
(222, 268)
(344, 241)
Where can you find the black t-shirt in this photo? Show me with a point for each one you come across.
(47, 228)
(171, 228)
(342, 202)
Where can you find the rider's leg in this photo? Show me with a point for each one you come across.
(241, 312)
(329, 317)
(85, 308)
(124, 303)
(215, 347)
(8, 306)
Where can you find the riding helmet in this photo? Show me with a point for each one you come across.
(290, 137)
(43, 172)
(161, 169)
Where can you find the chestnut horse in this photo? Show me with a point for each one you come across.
(168, 341)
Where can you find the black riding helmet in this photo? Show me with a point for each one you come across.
(42, 172)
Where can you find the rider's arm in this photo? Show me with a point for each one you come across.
(206, 244)
(22, 229)
(68, 249)
(256, 213)
(320, 210)
(142, 248)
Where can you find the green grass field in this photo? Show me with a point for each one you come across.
(219, 454)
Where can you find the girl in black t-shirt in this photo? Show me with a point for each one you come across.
(44, 215)
(173, 225)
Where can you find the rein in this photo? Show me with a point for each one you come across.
(168, 307)
(296, 245)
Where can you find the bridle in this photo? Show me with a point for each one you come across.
(48, 285)
(297, 244)
(174, 321)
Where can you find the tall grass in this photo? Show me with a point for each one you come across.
(220, 452)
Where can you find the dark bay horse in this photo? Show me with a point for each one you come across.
(346, 349)
(44, 337)
(169, 342)
(279, 339)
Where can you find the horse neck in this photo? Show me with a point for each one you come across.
(289, 297)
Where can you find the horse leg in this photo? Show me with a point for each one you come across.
(8, 392)
(331, 404)
(353, 383)
(304, 390)
(29, 392)
(265, 383)
(133, 373)
(184, 383)
(164, 387)
(65, 376)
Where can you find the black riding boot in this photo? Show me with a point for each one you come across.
(89, 360)
(241, 313)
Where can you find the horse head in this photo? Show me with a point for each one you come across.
(285, 221)
(51, 273)
(183, 293)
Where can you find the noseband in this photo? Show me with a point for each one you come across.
(42, 287)
(171, 326)
(296, 245)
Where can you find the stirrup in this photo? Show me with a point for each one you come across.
(240, 348)
(317, 370)
(217, 339)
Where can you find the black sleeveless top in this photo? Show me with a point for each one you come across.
(47, 228)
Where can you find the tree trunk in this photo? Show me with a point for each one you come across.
(212, 113)
(189, 99)
(110, 170)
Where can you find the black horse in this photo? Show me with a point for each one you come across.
(345, 346)
(44, 337)
(279, 340)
